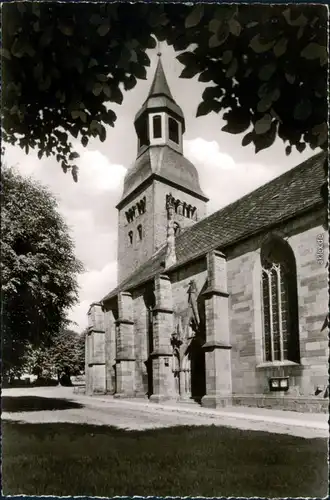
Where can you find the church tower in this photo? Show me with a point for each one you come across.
(160, 173)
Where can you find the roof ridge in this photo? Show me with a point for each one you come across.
(238, 219)
(250, 193)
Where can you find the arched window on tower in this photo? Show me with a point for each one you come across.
(130, 237)
(142, 132)
(139, 230)
(173, 130)
(280, 302)
(157, 126)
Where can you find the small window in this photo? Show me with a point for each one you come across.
(173, 130)
(130, 236)
(142, 133)
(139, 229)
(177, 229)
(157, 126)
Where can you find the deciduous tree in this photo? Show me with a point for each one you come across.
(39, 268)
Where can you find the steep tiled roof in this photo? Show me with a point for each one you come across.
(166, 163)
(282, 198)
(160, 97)
(159, 85)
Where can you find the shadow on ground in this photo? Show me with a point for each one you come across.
(68, 459)
(36, 403)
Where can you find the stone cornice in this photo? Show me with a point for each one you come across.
(125, 358)
(124, 321)
(215, 344)
(158, 353)
(94, 330)
(215, 291)
(159, 309)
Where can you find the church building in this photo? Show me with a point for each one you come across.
(225, 309)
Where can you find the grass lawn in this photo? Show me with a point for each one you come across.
(70, 459)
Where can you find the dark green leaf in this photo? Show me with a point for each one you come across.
(73, 156)
(227, 56)
(290, 78)
(267, 71)
(195, 17)
(96, 19)
(189, 72)
(280, 47)
(103, 134)
(66, 28)
(106, 90)
(234, 27)
(214, 25)
(303, 110)
(259, 47)
(204, 108)
(247, 139)
(129, 82)
(232, 69)
(93, 62)
(263, 124)
(314, 51)
(97, 89)
(84, 140)
(103, 29)
(288, 150)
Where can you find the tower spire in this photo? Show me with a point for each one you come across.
(159, 51)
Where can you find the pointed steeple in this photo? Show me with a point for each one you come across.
(159, 85)
(160, 98)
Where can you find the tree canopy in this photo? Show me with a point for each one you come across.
(65, 354)
(64, 64)
(39, 268)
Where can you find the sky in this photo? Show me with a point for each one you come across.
(227, 171)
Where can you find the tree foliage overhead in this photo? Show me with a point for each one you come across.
(267, 68)
(38, 267)
(65, 64)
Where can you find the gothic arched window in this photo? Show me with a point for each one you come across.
(157, 126)
(142, 132)
(130, 236)
(173, 130)
(140, 234)
(280, 301)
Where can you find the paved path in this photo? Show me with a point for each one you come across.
(139, 415)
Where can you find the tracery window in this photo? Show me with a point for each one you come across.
(280, 302)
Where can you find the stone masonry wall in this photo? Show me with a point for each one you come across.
(160, 215)
(250, 376)
(130, 256)
(141, 342)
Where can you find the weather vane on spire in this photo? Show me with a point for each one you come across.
(159, 53)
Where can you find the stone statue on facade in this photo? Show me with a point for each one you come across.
(170, 257)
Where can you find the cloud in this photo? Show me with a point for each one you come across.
(89, 209)
(222, 179)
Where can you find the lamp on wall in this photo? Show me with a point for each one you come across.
(278, 384)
